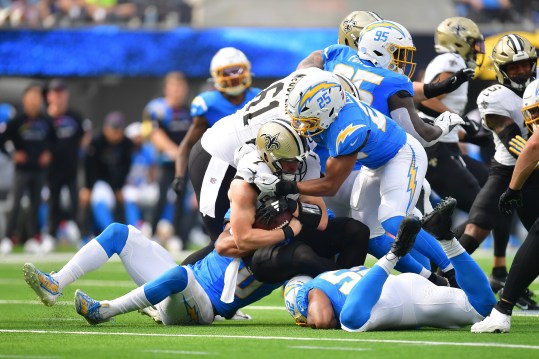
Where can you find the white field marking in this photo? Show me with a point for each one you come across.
(82, 282)
(516, 313)
(251, 337)
(328, 348)
(175, 352)
(26, 356)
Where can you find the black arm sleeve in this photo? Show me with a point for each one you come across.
(507, 134)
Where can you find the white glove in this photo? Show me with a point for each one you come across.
(266, 183)
(447, 121)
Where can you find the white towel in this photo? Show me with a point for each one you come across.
(231, 274)
(213, 178)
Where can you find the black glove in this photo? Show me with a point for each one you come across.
(283, 188)
(509, 199)
(274, 206)
(178, 185)
(470, 126)
(448, 85)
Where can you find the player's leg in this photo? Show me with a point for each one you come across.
(365, 294)
(524, 270)
(102, 203)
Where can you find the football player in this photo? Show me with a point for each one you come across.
(394, 163)
(281, 151)
(460, 45)
(362, 299)
(525, 267)
(515, 61)
(381, 70)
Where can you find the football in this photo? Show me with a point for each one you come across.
(279, 221)
(290, 292)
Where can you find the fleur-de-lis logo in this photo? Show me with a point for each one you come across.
(271, 142)
(348, 25)
(458, 28)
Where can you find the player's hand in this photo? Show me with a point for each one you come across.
(274, 206)
(509, 199)
(447, 121)
(178, 185)
(470, 126)
(516, 145)
(458, 78)
(296, 226)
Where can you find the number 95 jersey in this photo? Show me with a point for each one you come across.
(376, 85)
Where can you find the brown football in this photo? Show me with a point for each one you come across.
(279, 221)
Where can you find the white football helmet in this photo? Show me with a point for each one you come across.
(462, 36)
(352, 25)
(290, 293)
(509, 49)
(231, 71)
(277, 143)
(388, 45)
(314, 102)
(530, 105)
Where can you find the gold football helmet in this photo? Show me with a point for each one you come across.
(352, 25)
(462, 36)
(513, 48)
(282, 148)
(231, 71)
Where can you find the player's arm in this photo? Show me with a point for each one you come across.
(163, 143)
(424, 91)
(195, 132)
(318, 201)
(315, 59)
(242, 217)
(434, 103)
(402, 110)
(320, 314)
(226, 246)
(506, 129)
(526, 162)
(337, 170)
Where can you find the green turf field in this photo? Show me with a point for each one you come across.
(28, 329)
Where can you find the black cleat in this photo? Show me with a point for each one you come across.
(496, 283)
(405, 239)
(438, 280)
(439, 221)
(526, 301)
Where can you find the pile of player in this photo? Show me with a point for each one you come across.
(341, 132)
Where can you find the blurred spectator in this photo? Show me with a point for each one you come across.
(32, 134)
(171, 119)
(486, 10)
(141, 191)
(70, 130)
(7, 113)
(106, 165)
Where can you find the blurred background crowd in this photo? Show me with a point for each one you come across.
(91, 68)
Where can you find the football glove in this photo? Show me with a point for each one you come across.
(447, 121)
(274, 206)
(509, 199)
(516, 145)
(448, 85)
(178, 185)
(470, 126)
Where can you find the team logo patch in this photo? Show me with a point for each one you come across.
(348, 25)
(271, 143)
(458, 29)
(213, 180)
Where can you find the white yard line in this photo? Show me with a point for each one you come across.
(159, 351)
(303, 347)
(253, 337)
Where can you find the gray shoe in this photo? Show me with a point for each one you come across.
(45, 286)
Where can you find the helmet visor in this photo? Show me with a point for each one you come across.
(232, 76)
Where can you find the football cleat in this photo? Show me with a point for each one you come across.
(239, 315)
(439, 221)
(496, 283)
(496, 322)
(45, 286)
(151, 312)
(405, 239)
(89, 308)
(526, 301)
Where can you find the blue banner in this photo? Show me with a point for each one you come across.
(110, 50)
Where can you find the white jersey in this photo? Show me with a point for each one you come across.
(456, 100)
(500, 100)
(232, 132)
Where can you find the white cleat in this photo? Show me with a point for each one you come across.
(152, 312)
(45, 286)
(496, 322)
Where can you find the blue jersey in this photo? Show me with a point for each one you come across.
(210, 274)
(360, 128)
(213, 106)
(336, 285)
(376, 85)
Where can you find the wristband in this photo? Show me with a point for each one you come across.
(288, 232)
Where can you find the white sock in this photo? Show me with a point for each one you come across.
(425, 273)
(452, 248)
(87, 259)
(136, 299)
(388, 262)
